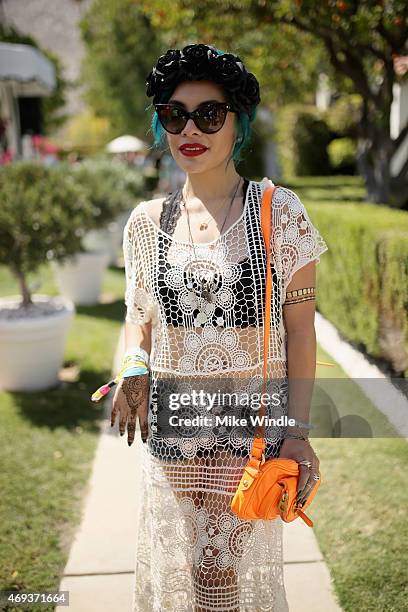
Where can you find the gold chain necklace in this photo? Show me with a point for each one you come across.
(204, 224)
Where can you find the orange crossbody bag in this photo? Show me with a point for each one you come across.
(268, 488)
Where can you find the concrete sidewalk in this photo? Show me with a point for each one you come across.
(100, 569)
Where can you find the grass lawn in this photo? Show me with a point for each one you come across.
(360, 521)
(359, 512)
(47, 445)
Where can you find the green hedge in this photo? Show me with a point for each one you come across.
(302, 136)
(363, 277)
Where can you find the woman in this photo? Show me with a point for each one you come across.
(195, 272)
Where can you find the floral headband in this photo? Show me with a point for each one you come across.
(197, 62)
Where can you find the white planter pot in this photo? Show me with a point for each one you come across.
(106, 240)
(80, 277)
(32, 347)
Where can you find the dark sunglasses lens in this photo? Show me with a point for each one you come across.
(208, 119)
(211, 118)
(172, 118)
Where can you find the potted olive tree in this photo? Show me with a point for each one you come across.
(43, 216)
(110, 188)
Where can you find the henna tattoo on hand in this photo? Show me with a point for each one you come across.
(136, 390)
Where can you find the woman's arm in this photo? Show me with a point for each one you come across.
(132, 393)
(137, 334)
(131, 396)
(301, 362)
(301, 347)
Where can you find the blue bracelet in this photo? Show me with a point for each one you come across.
(134, 372)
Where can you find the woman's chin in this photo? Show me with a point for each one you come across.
(192, 165)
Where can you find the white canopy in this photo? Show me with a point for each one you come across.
(125, 144)
(27, 69)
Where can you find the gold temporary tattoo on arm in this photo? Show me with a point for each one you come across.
(300, 295)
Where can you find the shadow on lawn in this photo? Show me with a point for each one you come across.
(68, 405)
(114, 311)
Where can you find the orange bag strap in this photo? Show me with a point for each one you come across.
(258, 445)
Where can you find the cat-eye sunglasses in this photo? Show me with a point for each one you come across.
(209, 117)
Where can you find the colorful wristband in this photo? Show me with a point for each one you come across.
(132, 365)
(138, 351)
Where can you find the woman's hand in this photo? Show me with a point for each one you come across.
(300, 450)
(131, 400)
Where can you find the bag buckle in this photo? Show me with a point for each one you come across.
(283, 504)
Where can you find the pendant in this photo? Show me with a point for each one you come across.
(200, 319)
(203, 226)
(207, 295)
(206, 290)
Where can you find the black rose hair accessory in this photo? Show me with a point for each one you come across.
(197, 62)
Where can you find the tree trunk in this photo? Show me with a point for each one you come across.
(375, 152)
(25, 292)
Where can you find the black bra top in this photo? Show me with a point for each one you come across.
(243, 288)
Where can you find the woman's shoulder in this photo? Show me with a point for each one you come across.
(283, 198)
(151, 208)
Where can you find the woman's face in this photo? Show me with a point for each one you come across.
(219, 145)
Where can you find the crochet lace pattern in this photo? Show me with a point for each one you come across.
(192, 551)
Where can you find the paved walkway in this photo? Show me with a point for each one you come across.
(388, 399)
(99, 573)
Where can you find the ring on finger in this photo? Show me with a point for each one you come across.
(306, 486)
(305, 462)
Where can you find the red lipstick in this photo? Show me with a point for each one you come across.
(192, 149)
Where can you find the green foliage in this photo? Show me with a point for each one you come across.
(87, 133)
(302, 137)
(137, 33)
(342, 153)
(51, 105)
(121, 48)
(252, 164)
(344, 115)
(111, 187)
(284, 60)
(287, 43)
(43, 214)
(363, 277)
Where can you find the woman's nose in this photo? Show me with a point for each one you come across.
(190, 127)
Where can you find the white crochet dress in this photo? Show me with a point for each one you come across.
(193, 553)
